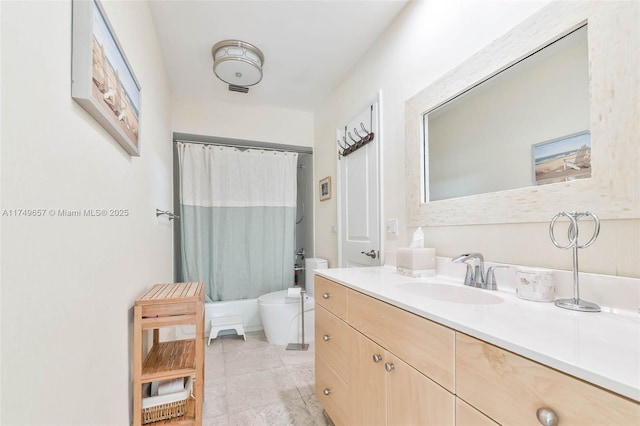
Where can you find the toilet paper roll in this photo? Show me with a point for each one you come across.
(171, 386)
(293, 292)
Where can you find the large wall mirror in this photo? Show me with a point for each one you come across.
(539, 121)
(494, 136)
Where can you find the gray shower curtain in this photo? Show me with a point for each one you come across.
(238, 219)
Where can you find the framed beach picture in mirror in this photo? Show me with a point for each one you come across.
(102, 80)
(562, 159)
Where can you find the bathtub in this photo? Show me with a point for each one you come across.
(246, 308)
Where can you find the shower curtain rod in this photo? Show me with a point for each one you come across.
(209, 140)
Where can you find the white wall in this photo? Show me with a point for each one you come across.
(428, 39)
(68, 283)
(238, 121)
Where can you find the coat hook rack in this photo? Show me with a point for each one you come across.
(166, 213)
(347, 148)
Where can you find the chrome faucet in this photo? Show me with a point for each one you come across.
(475, 276)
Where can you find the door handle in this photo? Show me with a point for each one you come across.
(372, 254)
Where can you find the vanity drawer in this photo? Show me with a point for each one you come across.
(332, 392)
(331, 296)
(510, 389)
(332, 340)
(427, 346)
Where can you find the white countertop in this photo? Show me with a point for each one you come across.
(601, 348)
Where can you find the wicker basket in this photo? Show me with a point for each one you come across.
(163, 407)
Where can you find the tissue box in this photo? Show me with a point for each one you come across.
(416, 262)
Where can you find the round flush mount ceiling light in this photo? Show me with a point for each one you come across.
(237, 62)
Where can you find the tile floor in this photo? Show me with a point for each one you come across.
(254, 383)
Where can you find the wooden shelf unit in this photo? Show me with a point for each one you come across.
(169, 305)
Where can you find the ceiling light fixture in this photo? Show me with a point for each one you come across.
(237, 63)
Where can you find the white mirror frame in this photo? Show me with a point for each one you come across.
(613, 191)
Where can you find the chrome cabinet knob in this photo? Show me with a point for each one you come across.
(389, 366)
(547, 417)
(325, 295)
(326, 391)
(326, 338)
(377, 358)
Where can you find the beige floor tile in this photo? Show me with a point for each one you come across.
(290, 358)
(214, 347)
(291, 412)
(214, 367)
(216, 421)
(255, 340)
(215, 399)
(255, 383)
(251, 360)
(259, 389)
(303, 376)
(315, 410)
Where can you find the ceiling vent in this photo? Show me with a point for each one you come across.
(241, 89)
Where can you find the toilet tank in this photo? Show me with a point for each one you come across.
(309, 265)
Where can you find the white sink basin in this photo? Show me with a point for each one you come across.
(449, 293)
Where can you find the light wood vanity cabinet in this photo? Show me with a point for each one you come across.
(438, 376)
(357, 352)
(510, 389)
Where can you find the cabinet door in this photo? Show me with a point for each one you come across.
(367, 382)
(413, 398)
(466, 415)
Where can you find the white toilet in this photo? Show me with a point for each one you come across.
(281, 320)
(280, 314)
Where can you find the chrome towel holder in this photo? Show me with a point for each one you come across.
(166, 213)
(575, 304)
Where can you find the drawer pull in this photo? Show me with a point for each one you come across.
(377, 358)
(326, 338)
(547, 417)
(325, 295)
(389, 366)
(326, 391)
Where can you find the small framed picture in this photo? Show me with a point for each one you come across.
(325, 188)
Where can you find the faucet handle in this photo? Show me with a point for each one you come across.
(491, 283)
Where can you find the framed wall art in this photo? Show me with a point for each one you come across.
(102, 80)
(325, 188)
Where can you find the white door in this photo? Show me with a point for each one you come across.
(359, 189)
